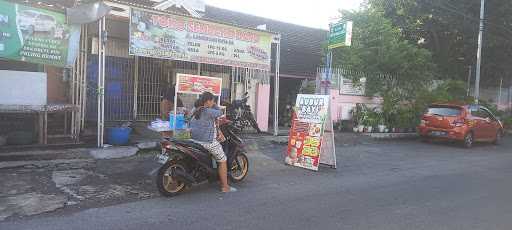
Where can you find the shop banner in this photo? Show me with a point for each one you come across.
(194, 84)
(33, 35)
(189, 39)
(308, 122)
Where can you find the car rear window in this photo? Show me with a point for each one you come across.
(444, 111)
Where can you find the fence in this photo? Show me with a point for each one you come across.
(342, 80)
(502, 98)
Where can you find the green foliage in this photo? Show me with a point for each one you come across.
(396, 70)
(392, 64)
(507, 122)
(358, 114)
(449, 30)
(494, 109)
(403, 45)
(406, 114)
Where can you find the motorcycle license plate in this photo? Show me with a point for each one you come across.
(162, 158)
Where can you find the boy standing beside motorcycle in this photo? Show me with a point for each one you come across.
(204, 131)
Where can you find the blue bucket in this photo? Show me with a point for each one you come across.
(180, 121)
(118, 136)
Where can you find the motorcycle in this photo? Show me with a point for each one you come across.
(240, 113)
(186, 163)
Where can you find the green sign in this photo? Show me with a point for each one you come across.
(340, 34)
(33, 35)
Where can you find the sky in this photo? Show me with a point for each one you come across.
(315, 14)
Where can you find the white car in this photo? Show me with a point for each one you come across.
(34, 21)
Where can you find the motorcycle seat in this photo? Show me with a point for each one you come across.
(190, 143)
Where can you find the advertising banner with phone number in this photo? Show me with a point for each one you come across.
(34, 35)
(304, 143)
(182, 38)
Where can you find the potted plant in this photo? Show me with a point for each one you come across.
(361, 128)
(369, 127)
(381, 122)
(359, 117)
(403, 120)
(373, 119)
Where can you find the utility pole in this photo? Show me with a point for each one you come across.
(479, 52)
(470, 68)
(499, 93)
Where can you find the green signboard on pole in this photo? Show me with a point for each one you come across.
(33, 35)
(340, 34)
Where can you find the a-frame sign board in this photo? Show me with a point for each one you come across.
(311, 140)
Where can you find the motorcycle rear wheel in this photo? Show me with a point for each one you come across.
(167, 184)
(238, 171)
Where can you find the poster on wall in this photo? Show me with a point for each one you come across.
(347, 87)
(182, 38)
(307, 131)
(34, 35)
(194, 84)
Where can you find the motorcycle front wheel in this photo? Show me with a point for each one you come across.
(167, 184)
(239, 168)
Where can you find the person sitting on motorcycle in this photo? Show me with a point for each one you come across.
(204, 132)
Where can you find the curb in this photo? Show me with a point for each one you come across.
(392, 135)
(113, 152)
(147, 145)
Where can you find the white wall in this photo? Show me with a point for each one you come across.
(343, 104)
(22, 88)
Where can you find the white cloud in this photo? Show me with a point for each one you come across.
(307, 13)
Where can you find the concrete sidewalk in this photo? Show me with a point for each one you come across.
(37, 187)
(40, 181)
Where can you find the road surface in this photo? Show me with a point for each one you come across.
(378, 185)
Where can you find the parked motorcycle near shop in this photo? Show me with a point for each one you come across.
(186, 163)
(240, 113)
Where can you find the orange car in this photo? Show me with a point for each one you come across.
(465, 123)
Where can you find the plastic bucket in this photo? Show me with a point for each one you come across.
(180, 121)
(118, 136)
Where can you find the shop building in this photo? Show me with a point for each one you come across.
(109, 83)
(133, 84)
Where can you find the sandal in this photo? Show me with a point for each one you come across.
(231, 189)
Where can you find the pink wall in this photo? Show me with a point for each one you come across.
(262, 106)
(342, 104)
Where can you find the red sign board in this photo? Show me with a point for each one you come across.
(304, 145)
(194, 84)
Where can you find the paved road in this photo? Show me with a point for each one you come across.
(378, 185)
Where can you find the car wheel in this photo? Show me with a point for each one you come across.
(497, 139)
(469, 140)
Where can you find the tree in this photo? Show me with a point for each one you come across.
(449, 29)
(395, 68)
